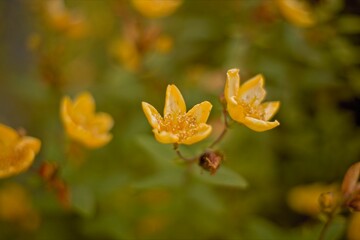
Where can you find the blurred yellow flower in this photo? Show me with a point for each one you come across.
(353, 232)
(61, 19)
(156, 8)
(297, 12)
(304, 199)
(83, 124)
(16, 207)
(126, 52)
(17, 152)
(179, 126)
(244, 103)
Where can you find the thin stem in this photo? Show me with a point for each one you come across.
(188, 160)
(329, 220)
(224, 131)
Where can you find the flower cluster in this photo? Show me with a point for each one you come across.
(243, 104)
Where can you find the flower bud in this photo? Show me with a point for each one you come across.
(211, 161)
(328, 202)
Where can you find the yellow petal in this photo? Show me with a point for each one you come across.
(156, 8)
(252, 91)
(31, 143)
(7, 135)
(259, 125)
(174, 101)
(96, 141)
(204, 131)
(84, 104)
(269, 109)
(232, 84)
(165, 137)
(200, 112)
(296, 12)
(236, 112)
(102, 122)
(152, 115)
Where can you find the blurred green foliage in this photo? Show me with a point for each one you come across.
(134, 188)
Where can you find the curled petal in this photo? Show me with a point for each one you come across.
(252, 91)
(297, 12)
(259, 125)
(174, 101)
(30, 143)
(151, 114)
(165, 137)
(84, 104)
(102, 122)
(7, 135)
(200, 111)
(232, 84)
(269, 109)
(203, 132)
(350, 180)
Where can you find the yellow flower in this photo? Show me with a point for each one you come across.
(244, 103)
(16, 207)
(353, 232)
(179, 126)
(304, 199)
(296, 12)
(17, 152)
(83, 124)
(156, 8)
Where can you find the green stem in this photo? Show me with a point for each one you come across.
(224, 131)
(186, 159)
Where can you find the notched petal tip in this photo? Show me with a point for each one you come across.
(232, 84)
(259, 125)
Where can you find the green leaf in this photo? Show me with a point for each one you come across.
(223, 177)
(83, 200)
(163, 179)
(162, 154)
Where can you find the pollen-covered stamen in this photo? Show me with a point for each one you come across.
(251, 110)
(179, 124)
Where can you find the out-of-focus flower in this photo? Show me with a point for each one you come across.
(244, 103)
(156, 8)
(353, 232)
(83, 124)
(177, 125)
(126, 52)
(164, 44)
(15, 207)
(297, 12)
(304, 199)
(61, 19)
(17, 152)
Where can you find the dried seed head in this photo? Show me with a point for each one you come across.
(211, 161)
(328, 201)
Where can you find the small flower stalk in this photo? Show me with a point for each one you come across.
(17, 151)
(81, 122)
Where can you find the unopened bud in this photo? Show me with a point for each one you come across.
(211, 161)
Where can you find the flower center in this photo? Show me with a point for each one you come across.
(251, 110)
(179, 124)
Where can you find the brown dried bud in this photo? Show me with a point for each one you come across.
(327, 201)
(48, 171)
(211, 161)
